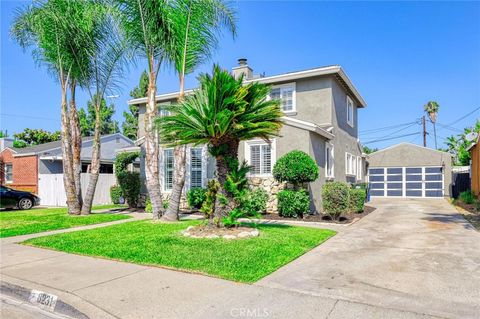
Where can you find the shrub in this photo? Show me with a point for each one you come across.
(208, 206)
(295, 167)
(149, 208)
(115, 194)
(467, 197)
(254, 202)
(130, 185)
(335, 199)
(357, 199)
(196, 196)
(293, 203)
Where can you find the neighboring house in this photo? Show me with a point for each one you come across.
(409, 170)
(39, 168)
(320, 107)
(5, 142)
(474, 150)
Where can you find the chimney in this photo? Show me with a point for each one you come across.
(242, 68)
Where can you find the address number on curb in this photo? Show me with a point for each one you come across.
(43, 299)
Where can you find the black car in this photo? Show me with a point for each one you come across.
(11, 198)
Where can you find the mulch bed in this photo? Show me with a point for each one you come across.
(346, 219)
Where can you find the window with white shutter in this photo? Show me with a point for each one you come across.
(196, 167)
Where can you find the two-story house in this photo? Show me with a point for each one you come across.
(320, 107)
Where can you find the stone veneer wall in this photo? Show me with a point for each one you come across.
(272, 187)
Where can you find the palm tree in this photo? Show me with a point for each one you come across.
(102, 66)
(432, 108)
(221, 113)
(149, 30)
(197, 27)
(46, 27)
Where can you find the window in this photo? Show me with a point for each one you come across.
(350, 164)
(168, 169)
(260, 156)
(285, 93)
(196, 167)
(9, 173)
(329, 160)
(359, 167)
(350, 111)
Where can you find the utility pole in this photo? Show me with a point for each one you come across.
(424, 132)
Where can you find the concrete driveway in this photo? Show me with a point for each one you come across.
(413, 254)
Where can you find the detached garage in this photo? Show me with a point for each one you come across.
(409, 170)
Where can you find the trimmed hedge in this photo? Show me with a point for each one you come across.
(357, 199)
(295, 167)
(115, 194)
(130, 184)
(254, 202)
(196, 196)
(293, 203)
(335, 199)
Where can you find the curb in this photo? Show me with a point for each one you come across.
(23, 294)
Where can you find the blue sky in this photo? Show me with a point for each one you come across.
(398, 54)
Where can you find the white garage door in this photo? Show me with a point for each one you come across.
(406, 181)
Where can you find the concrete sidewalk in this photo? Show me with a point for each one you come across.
(102, 288)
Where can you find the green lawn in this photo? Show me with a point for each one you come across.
(146, 242)
(18, 222)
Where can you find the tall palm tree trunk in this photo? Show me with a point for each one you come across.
(68, 178)
(152, 151)
(180, 154)
(222, 208)
(76, 138)
(435, 135)
(95, 163)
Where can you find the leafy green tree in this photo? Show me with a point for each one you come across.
(197, 26)
(3, 134)
(458, 145)
(130, 124)
(431, 108)
(87, 119)
(36, 136)
(221, 113)
(368, 150)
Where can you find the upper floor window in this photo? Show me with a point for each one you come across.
(168, 164)
(329, 172)
(286, 94)
(260, 156)
(9, 173)
(196, 167)
(350, 111)
(359, 167)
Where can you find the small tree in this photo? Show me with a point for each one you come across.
(296, 168)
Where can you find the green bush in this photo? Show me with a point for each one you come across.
(295, 167)
(115, 194)
(335, 199)
(196, 196)
(149, 208)
(293, 203)
(130, 185)
(467, 197)
(357, 199)
(254, 202)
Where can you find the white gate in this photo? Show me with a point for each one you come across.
(52, 192)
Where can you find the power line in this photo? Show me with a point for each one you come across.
(397, 131)
(386, 128)
(391, 138)
(466, 115)
(443, 126)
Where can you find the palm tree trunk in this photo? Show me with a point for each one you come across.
(95, 163)
(435, 135)
(180, 154)
(151, 150)
(223, 209)
(76, 138)
(68, 180)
